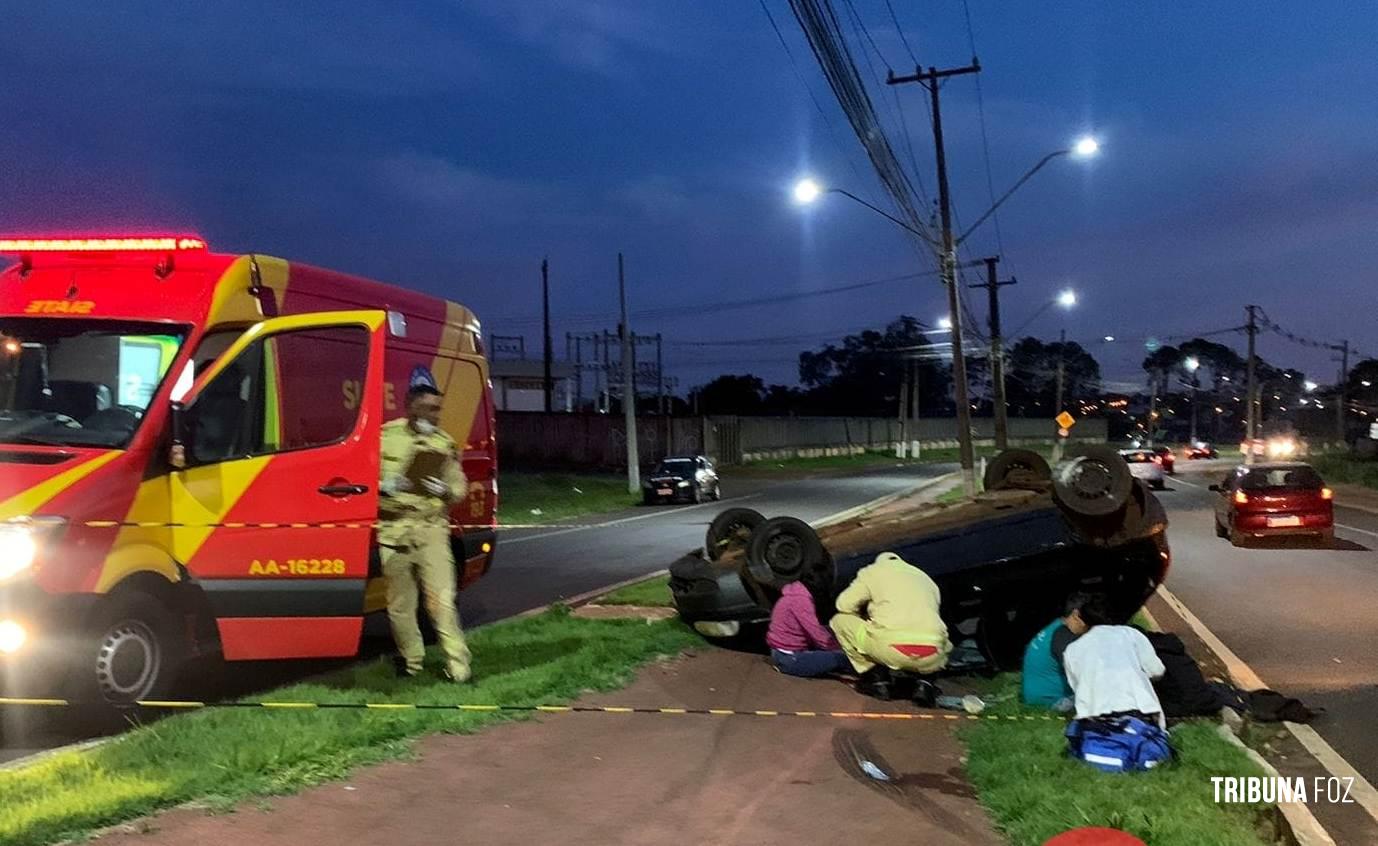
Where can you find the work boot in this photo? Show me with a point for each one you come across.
(399, 667)
(876, 683)
(925, 694)
(457, 673)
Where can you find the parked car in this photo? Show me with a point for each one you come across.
(1167, 458)
(1279, 498)
(1005, 562)
(1145, 464)
(688, 478)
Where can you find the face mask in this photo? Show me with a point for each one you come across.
(424, 427)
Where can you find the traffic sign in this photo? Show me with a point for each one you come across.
(1065, 420)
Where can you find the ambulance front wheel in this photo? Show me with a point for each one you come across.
(131, 652)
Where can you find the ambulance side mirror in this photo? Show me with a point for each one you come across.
(181, 437)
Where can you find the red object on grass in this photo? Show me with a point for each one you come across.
(1094, 837)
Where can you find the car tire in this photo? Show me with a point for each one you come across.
(1220, 530)
(1237, 538)
(781, 549)
(1014, 467)
(731, 530)
(717, 492)
(697, 494)
(1327, 539)
(130, 651)
(1094, 482)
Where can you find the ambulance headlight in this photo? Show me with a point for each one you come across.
(20, 540)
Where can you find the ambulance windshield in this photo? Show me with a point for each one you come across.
(77, 382)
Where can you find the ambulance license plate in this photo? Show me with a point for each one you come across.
(1289, 520)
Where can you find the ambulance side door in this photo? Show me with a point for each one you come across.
(276, 505)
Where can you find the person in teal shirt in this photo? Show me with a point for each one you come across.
(1044, 683)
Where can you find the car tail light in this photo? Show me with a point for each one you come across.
(1241, 498)
(1327, 493)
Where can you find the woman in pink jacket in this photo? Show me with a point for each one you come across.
(799, 644)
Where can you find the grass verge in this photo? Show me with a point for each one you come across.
(549, 497)
(1033, 791)
(1340, 467)
(220, 757)
(651, 593)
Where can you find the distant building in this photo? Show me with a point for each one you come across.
(519, 384)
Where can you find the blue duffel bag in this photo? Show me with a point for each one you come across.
(1118, 744)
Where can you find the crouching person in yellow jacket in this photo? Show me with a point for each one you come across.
(414, 533)
(888, 616)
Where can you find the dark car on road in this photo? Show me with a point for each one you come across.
(1282, 498)
(1005, 562)
(685, 478)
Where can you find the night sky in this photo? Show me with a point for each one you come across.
(448, 146)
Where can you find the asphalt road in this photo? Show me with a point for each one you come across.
(535, 567)
(1305, 619)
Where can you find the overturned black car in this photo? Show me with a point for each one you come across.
(1006, 562)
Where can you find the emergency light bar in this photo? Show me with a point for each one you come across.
(161, 244)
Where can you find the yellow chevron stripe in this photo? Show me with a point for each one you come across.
(30, 500)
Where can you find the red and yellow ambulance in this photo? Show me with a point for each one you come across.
(189, 454)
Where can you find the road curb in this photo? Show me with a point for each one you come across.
(1306, 829)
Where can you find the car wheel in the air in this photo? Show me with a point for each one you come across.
(781, 549)
(731, 530)
(1014, 467)
(1095, 482)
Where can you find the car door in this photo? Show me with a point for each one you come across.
(1224, 503)
(278, 497)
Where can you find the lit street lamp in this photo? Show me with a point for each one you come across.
(1309, 386)
(945, 323)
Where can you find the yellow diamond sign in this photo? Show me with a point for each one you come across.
(1065, 420)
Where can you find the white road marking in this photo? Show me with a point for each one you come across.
(1244, 676)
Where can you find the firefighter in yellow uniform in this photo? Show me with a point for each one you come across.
(414, 534)
(888, 616)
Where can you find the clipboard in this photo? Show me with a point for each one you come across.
(426, 463)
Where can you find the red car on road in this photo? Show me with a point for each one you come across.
(1280, 498)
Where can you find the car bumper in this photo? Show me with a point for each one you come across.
(1256, 525)
(675, 495)
(51, 625)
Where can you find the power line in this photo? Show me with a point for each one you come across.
(700, 308)
(985, 140)
(900, 31)
(799, 75)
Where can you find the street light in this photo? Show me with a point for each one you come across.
(1109, 339)
(1085, 147)
(945, 323)
(1067, 298)
(1309, 386)
(806, 191)
(1192, 364)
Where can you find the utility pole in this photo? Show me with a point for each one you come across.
(917, 433)
(902, 445)
(931, 80)
(579, 373)
(628, 386)
(1153, 382)
(1343, 349)
(1061, 377)
(660, 376)
(1251, 420)
(997, 353)
(549, 382)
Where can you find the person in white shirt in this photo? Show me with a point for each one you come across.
(1111, 669)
